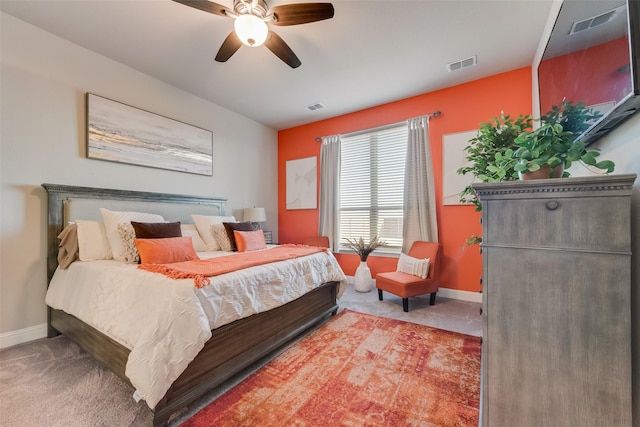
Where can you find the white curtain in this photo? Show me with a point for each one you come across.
(329, 189)
(419, 222)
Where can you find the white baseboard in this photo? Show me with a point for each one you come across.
(450, 293)
(460, 295)
(20, 336)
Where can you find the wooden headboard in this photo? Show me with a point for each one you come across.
(67, 203)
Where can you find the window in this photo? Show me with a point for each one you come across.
(372, 185)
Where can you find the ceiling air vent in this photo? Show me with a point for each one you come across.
(594, 21)
(314, 107)
(464, 63)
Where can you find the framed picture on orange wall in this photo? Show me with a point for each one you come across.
(453, 158)
(302, 178)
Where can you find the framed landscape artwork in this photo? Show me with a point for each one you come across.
(120, 133)
(302, 178)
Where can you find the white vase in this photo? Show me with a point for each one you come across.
(363, 280)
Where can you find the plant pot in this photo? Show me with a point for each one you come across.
(363, 281)
(544, 172)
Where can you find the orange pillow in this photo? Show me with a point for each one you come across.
(166, 251)
(249, 240)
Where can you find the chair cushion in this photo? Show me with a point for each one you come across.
(399, 277)
(405, 285)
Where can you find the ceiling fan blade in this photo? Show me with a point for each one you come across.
(230, 45)
(276, 45)
(207, 6)
(301, 13)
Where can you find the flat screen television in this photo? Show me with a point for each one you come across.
(593, 56)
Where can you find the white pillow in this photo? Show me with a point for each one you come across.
(92, 241)
(111, 221)
(204, 223)
(415, 266)
(192, 231)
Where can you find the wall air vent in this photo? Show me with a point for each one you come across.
(594, 21)
(314, 107)
(464, 63)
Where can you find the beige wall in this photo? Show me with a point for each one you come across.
(623, 147)
(43, 83)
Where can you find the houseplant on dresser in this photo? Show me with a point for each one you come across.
(363, 279)
(490, 153)
(506, 149)
(549, 150)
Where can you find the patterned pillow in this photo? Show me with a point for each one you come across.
(128, 236)
(414, 266)
(204, 223)
(113, 218)
(220, 234)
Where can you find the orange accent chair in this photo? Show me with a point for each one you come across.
(407, 285)
(320, 241)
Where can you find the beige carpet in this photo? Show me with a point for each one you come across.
(51, 382)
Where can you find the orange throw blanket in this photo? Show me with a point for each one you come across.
(201, 269)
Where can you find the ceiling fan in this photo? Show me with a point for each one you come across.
(250, 26)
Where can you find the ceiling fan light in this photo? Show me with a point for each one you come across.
(251, 30)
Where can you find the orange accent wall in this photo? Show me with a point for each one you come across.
(463, 107)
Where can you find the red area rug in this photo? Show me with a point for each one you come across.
(359, 370)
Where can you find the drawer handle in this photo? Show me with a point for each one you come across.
(552, 205)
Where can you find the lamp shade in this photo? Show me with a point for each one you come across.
(255, 215)
(251, 30)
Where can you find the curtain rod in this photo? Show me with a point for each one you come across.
(434, 114)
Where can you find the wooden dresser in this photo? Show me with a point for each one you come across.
(556, 305)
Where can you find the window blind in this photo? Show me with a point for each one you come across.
(372, 185)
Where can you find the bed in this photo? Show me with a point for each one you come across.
(230, 348)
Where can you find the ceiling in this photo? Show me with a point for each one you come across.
(370, 53)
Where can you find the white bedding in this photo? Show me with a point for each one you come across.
(165, 322)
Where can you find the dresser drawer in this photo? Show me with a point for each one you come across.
(563, 223)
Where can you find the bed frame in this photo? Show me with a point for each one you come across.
(231, 348)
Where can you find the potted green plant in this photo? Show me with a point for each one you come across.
(490, 156)
(490, 153)
(549, 150)
(505, 148)
(575, 118)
